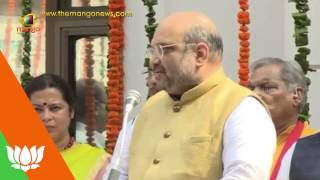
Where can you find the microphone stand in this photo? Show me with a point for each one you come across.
(115, 171)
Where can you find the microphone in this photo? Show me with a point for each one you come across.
(133, 98)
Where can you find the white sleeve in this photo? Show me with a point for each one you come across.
(284, 171)
(124, 157)
(249, 142)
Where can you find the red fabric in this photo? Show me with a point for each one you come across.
(292, 138)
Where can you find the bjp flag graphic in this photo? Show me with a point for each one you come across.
(26, 149)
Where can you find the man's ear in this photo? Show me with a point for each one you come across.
(202, 53)
(298, 96)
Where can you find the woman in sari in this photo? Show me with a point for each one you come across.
(54, 101)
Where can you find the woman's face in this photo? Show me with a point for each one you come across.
(53, 111)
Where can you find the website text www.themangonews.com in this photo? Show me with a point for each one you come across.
(86, 14)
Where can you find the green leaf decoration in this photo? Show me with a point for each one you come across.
(150, 3)
(301, 21)
(304, 50)
(25, 77)
(303, 7)
(146, 62)
(301, 40)
(151, 25)
(302, 30)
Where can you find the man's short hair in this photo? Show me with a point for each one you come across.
(200, 34)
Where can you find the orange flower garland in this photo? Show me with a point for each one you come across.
(115, 74)
(90, 99)
(37, 55)
(244, 36)
(7, 40)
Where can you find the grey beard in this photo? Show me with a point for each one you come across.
(181, 85)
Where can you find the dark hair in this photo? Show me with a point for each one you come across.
(53, 81)
(99, 94)
(200, 34)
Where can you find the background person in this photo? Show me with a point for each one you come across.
(305, 161)
(155, 82)
(200, 127)
(283, 87)
(100, 110)
(54, 101)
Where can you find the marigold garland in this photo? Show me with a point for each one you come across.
(37, 54)
(115, 74)
(7, 40)
(90, 98)
(244, 37)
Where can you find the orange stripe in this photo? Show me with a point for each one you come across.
(21, 126)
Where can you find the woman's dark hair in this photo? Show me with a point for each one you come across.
(53, 81)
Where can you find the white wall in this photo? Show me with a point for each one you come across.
(270, 36)
(135, 47)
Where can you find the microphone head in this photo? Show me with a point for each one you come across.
(133, 97)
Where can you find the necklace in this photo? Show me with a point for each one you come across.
(70, 143)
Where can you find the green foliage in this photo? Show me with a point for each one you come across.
(150, 3)
(304, 115)
(27, 7)
(151, 25)
(301, 21)
(25, 77)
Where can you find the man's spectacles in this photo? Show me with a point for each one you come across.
(158, 51)
(150, 72)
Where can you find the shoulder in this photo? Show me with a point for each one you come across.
(251, 106)
(313, 139)
(160, 96)
(233, 91)
(159, 99)
(250, 115)
(237, 87)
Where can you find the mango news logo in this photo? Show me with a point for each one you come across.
(27, 22)
(25, 159)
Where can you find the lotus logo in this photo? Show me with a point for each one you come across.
(25, 159)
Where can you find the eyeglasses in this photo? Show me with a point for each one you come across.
(159, 50)
(149, 73)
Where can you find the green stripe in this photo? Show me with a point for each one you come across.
(6, 171)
